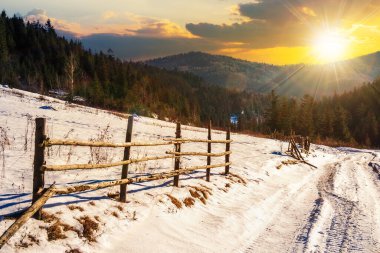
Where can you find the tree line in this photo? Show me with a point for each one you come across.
(33, 57)
(350, 118)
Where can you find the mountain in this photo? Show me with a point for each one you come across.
(293, 80)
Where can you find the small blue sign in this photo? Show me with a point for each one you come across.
(234, 119)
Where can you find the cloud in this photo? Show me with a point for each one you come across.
(270, 11)
(254, 34)
(109, 15)
(160, 28)
(308, 11)
(36, 12)
(41, 16)
(290, 23)
(125, 23)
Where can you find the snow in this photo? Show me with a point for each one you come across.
(292, 209)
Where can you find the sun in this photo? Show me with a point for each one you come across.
(330, 46)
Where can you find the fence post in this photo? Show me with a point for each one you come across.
(127, 152)
(227, 157)
(208, 151)
(39, 160)
(177, 149)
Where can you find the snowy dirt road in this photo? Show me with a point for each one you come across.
(342, 200)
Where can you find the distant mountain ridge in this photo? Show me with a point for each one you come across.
(292, 80)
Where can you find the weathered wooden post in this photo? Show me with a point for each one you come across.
(177, 158)
(307, 144)
(39, 160)
(227, 157)
(127, 152)
(208, 151)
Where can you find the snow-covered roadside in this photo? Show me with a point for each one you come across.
(269, 212)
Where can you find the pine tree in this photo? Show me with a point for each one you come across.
(3, 39)
(273, 113)
(341, 130)
(305, 126)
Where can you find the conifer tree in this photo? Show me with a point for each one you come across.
(3, 39)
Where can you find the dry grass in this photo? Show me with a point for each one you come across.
(47, 217)
(175, 201)
(134, 215)
(224, 189)
(206, 187)
(90, 227)
(115, 214)
(236, 178)
(27, 241)
(200, 193)
(189, 201)
(73, 251)
(114, 195)
(205, 191)
(120, 208)
(4, 142)
(99, 154)
(58, 229)
(33, 239)
(290, 162)
(287, 162)
(334, 143)
(74, 207)
(23, 244)
(55, 232)
(194, 194)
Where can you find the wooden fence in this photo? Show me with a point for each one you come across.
(42, 194)
(296, 141)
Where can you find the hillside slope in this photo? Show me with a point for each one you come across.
(297, 80)
(34, 58)
(279, 207)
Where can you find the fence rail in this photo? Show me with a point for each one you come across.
(198, 154)
(55, 142)
(42, 194)
(152, 177)
(101, 166)
(198, 140)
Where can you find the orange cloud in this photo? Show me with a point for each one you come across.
(307, 11)
(118, 23)
(109, 15)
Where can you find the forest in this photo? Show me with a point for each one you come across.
(34, 58)
(351, 118)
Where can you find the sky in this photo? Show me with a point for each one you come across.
(271, 31)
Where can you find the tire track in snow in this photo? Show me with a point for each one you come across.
(340, 220)
(291, 209)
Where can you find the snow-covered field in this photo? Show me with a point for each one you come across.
(277, 208)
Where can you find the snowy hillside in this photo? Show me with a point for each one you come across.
(270, 205)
